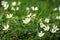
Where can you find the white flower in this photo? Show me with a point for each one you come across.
(27, 20)
(34, 8)
(42, 25)
(40, 20)
(59, 8)
(46, 28)
(29, 15)
(55, 9)
(5, 4)
(41, 34)
(5, 27)
(57, 17)
(9, 15)
(47, 20)
(18, 3)
(54, 29)
(6, 7)
(33, 15)
(12, 8)
(14, 3)
(27, 8)
(17, 8)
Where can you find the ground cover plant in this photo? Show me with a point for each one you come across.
(29, 19)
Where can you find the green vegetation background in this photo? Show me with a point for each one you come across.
(20, 31)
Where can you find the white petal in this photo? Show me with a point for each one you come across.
(6, 27)
(17, 8)
(57, 17)
(19, 3)
(55, 9)
(14, 3)
(42, 25)
(53, 31)
(41, 34)
(33, 8)
(59, 8)
(27, 20)
(9, 15)
(33, 15)
(46, 28)
(27, 8)
(12, 8)
(47, 20)
(36, 8)
(6, 7)
(29, 15)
